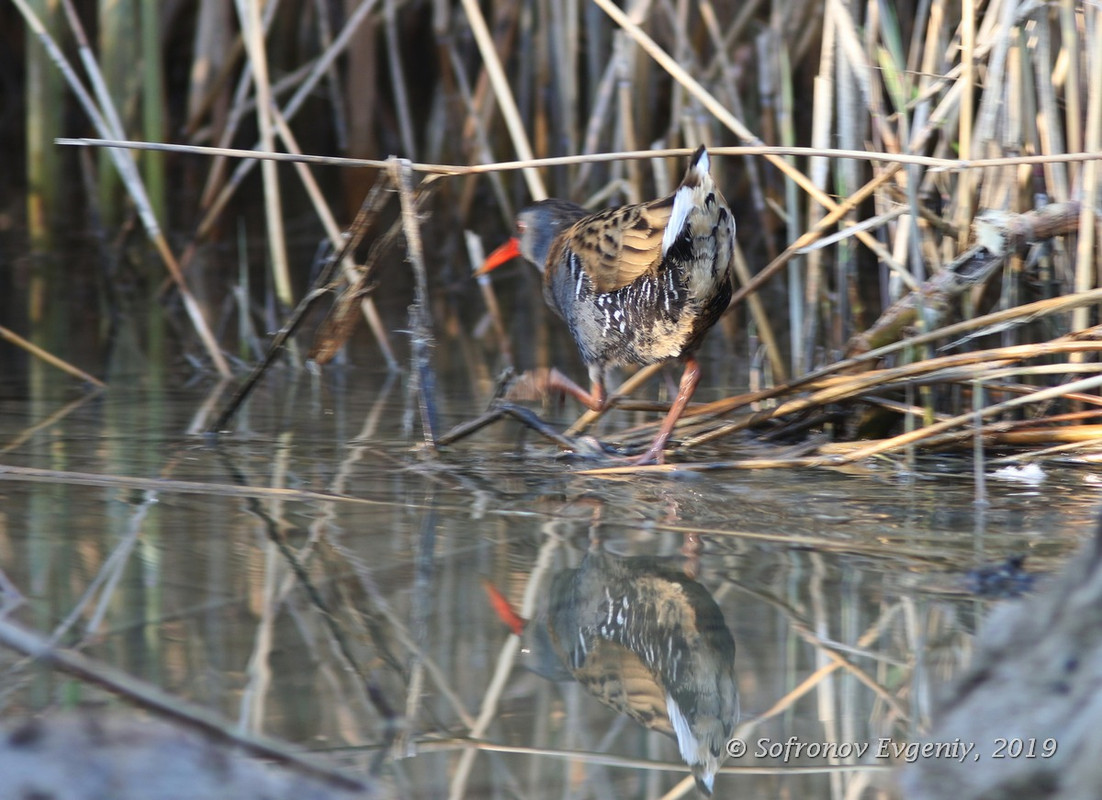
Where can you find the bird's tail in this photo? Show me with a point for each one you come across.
(696, 185)
(702, 743)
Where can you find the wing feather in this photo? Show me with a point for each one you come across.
(618, 245)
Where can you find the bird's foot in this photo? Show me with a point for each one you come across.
(651, 456)
(616, 455)
(655, 454)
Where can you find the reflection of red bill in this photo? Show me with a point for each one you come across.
(504, 609)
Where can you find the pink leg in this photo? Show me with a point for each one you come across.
(542, 382)
(689, 379)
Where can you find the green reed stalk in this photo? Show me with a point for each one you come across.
(45, 100)
(153, 104)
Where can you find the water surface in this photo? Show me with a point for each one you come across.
(319, 576)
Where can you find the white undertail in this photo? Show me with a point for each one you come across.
(704, 764)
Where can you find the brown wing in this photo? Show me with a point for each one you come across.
(618, 245)
(619, 679)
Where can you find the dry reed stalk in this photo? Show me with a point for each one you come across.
(1003, 236)
(117, 43)
(1070, 434)
(990, 434)
(476, 255)
(1087, 448)
(834, 216)
(599, 111)
(627, 138)
(761, 317)
(796, 268)
(636, 380)
(215, 55)
(934, 370)
(320, 68)
(422, 383)
(898, 442)
(397, 78)
(1090, 239)
(1049, 132)
(334, 82)
(818, 172)
(1071, 59)
(49, 358)
(337, 327)
(730, 84)
(153, 103)
(975, 327)
(44, 88)
(240, 105)
(248, 15)
(504, 95)
(481, 102)
(481, 146)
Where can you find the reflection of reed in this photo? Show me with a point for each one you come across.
(848, 612)
(651, 643)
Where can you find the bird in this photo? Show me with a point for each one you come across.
(635, 284)
(646, 640)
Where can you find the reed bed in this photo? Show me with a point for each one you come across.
(917, 193)
(893, 172)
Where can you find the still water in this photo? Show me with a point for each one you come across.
(319, 577)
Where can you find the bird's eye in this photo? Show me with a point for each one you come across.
(522, 226)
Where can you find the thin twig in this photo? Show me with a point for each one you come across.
(941, 164)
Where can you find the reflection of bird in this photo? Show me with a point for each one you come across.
(651, 643)
(638, 284)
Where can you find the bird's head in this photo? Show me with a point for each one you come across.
(537, 227)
